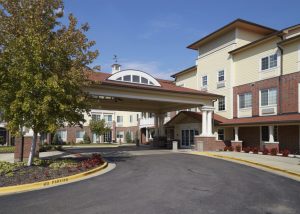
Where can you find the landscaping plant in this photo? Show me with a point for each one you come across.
(238, 148)
(86, 139)
(255, 150)
(128, 137)
(285, 153)
(230, 148)
(43, 67)
(265, 151)
(274, 151)
(99, 127)
(225, 148)
(247, 149)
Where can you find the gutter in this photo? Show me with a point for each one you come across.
(280, 74)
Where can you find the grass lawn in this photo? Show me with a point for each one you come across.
(7, 149)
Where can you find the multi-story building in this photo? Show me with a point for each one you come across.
(257, 70)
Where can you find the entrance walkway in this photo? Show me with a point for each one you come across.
(286, 166)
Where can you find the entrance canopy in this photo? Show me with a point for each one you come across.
(137, 91)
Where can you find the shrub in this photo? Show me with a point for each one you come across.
(86, 139)
(225, 148)
(274, 151)
(285, 153)
(265, 151)
(7, 149)
(2, 140)
(255, 150)
(238, 148)
(56, 139)
(230, 148)
(128, 137)
(247, 149)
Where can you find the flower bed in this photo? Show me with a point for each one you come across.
(42, 170)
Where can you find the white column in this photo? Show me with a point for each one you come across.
(209, 123)
(236, 133)
(156, 125)
(161, 125)
(204, 121)
(147, 135)
(271, 134)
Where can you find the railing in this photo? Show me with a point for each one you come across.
(149, 122)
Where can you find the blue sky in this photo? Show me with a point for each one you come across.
(152, 35)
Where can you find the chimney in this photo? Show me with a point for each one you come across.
(116, 68)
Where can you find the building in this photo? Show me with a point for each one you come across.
(257, 70)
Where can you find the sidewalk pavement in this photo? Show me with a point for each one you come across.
(286, 166)
(9, 157)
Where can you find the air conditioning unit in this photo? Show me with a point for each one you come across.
(268, 111)
(220, 84)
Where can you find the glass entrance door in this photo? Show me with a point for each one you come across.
(187, 138)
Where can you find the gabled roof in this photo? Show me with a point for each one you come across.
(232, 25)
(166, 85)
(193, 68)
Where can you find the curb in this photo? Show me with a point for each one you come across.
(249, 162)
(50, 183)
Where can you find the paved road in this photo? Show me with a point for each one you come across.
(165, 183)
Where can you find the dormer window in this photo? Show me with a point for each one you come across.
(134, 76)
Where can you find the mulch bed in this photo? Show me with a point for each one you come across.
(32, 174)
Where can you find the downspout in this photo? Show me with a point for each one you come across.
(280, 76)
(213, 116)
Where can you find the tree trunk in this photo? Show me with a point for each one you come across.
(32, 150)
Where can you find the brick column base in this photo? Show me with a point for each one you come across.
(237, 143)
(209, 143)
(270, 146)
(26, 149)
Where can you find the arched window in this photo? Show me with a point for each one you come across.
(134, 76)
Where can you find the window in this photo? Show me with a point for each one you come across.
(144, 80)
(96, 116)
(204, 81)
(245, 100)
(119, 119)
(108, 118)
(269, 62)
(107, 137)
(221, 134)
(120, 134)
(135, 78)
(268, 97)
(127, 78)
(79, 134)
(137, 117)
(130, 118)
(221, 104)
(221, 76)
(62, 134)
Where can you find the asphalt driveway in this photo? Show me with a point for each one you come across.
(162, 182)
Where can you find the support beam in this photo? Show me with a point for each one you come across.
(156, 125)
(236, 133)
(271, 134)
(147, 135)
(209, 123)
(204, 121)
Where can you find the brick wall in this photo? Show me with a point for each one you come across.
(210, 143)
(288, 137)
(27, 147)
(250, 136)
(288, 93)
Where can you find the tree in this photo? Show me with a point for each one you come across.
(128, 138)
(56, 139)
(43, 67)
(99, 127)
(86, 139)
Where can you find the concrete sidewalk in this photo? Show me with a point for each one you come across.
(286, 166)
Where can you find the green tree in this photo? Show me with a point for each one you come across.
(43, 67)
(128, 138)
(56, 139)
(86, 139)
(99, 127)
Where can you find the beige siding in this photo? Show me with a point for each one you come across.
(247, 63)
(210, 65)
(244, 37)
(216, 44)
(188, 80)
(291, 58)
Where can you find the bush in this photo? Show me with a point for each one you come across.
(247, 149)
(265, 151)
(230, 148)
(7, 169)
(238, 148)
(255, 150)
(225, 148)
(7, 149)
(274, 151)
(86, 139)
(2, 140)
(128, 137)
(285, 153)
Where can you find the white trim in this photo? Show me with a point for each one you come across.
(299, 58)
(269, 68)
(299, 97)
(132, 72)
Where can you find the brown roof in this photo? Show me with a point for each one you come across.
(284, 118)
(193, 68)
(166, 85)
(238, 22)
(197, 116)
